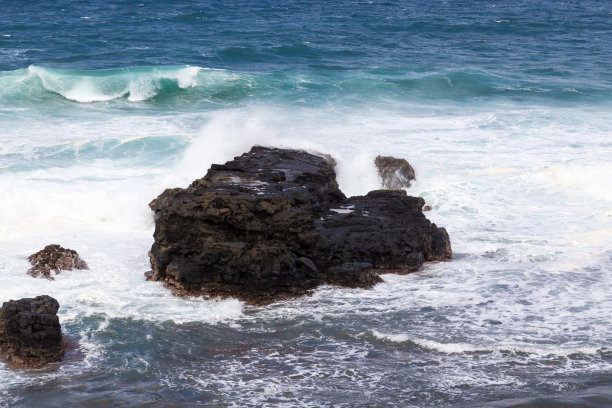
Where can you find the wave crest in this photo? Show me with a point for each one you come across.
(460, 348)
(216, 85)
(137, 84)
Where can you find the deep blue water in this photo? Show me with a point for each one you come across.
(503, 108)
(547, 40)
(558, 50)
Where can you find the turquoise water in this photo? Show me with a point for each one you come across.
(504, 110)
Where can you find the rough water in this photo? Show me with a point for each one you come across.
(504, 110)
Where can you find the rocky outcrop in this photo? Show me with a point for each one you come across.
(385, 228)
(272, 224)
(54, 258)
(30, 332)
(394, 173)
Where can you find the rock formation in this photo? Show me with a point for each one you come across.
(273, 224)
(394, 173)
(30, 332)
(385, 228)
(54, 258)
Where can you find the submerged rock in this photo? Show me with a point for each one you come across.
(30, 332)
(54, 258)
(394, 173)
(272, 224)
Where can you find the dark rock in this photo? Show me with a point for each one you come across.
(30, 332)
(353, 275)
(54, 258)
(394, 173)
(272, 224)
(426, 208)
(385, 228)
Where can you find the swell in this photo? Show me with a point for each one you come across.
(192, 84)
(134, 84)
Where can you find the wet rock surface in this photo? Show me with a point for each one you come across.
(394, 173)
(385, 227)
(53, 259)
(30, 332)
(272, 224)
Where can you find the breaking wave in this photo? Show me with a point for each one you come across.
(133, 84)
(137, 84)
(462, 347)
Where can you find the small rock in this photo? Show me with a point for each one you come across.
(30, 332)
(426, 208)
(394, 173)
(54, 258)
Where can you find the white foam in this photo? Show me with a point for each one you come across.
(100, 196)
(530, 274)
(591, 179)
(232, 133)
(227, 135)
(357, 175)
(187, 77)
(459, 348)
(114, 286)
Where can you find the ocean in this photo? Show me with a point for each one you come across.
(504, 109)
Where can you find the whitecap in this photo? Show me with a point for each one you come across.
(462, 347)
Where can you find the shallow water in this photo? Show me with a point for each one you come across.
(504, 112)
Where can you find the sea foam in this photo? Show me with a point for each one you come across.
(460, 347)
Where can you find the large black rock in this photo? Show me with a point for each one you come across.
(30, 332)
(272, 224)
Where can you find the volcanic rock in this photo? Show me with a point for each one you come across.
(394, 173)
(273, 224)
(385, 228)
(30, 332)
(54, 258)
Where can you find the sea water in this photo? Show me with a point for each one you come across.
(504, 109)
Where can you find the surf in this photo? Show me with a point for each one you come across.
(185, 85)
(134, 84)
